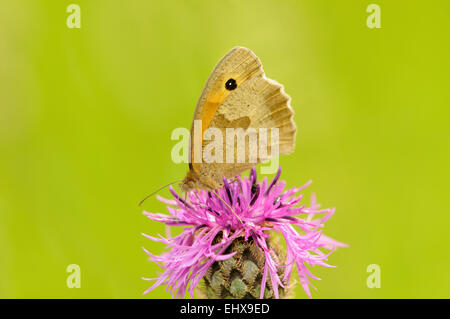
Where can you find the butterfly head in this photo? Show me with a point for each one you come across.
(188, 183)
(194, 180)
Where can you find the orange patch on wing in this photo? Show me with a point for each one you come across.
(206, 115)
(210, 108)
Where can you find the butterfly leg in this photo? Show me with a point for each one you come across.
(226, 204)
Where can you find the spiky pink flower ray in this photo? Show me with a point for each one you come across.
(246, 208)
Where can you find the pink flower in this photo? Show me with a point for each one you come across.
(244, 207)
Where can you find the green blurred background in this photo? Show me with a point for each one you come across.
(86, 116)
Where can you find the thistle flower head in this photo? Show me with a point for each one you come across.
(243, 208)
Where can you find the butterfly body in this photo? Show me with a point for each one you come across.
(237, 96)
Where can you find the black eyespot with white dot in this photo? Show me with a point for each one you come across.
(231, 84)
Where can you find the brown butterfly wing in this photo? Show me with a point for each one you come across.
(255, 102)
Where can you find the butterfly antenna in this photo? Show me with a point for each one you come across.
(159, 189)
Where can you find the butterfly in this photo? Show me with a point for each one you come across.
(237, 95)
